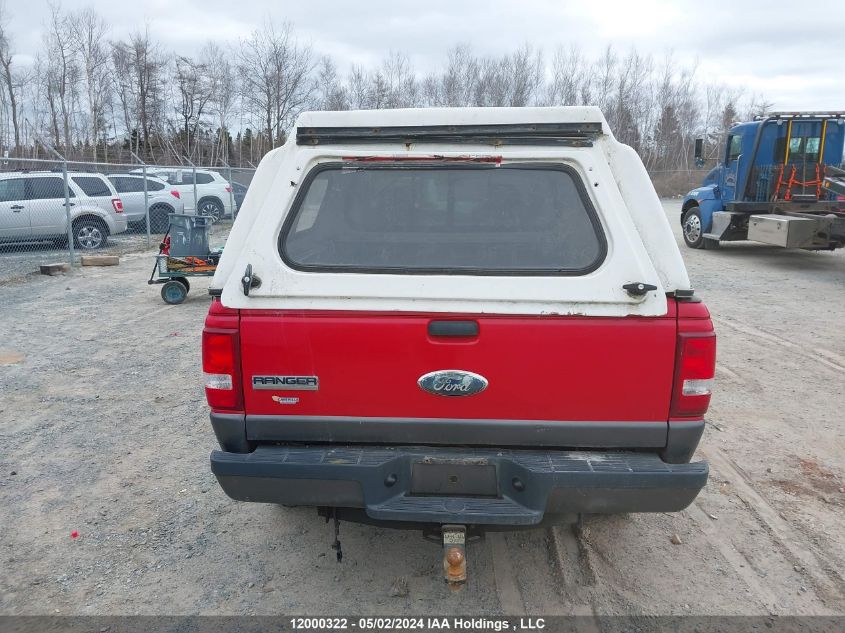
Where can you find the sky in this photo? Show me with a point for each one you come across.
(788, 52)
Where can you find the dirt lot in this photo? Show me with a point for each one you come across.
(20, 260)
(104, 431)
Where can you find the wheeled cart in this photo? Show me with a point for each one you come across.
(183, 253)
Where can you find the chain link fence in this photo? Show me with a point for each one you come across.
(57, 211)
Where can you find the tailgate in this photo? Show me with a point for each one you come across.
(536, 367)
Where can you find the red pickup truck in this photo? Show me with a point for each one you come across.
(456, 317)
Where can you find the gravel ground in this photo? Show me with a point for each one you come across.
(20, 260)
(105, 432)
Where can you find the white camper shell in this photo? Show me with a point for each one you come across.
(637, 244)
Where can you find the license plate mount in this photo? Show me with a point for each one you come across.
(454, 479)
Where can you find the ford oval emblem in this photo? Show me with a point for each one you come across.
(452, 382)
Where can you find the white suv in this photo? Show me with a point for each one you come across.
(214, 192)
(32, 208)
(162, 200)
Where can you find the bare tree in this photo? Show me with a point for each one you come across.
(377, 91)
(62, 76)
(89, 30)
(357, 88)
(603, 73)
(569, 77)
(525, 73)
(88, 92)
(758, 106)
(148, 68)
(430, 91)
(400, 82)
(673, 118)
(331, 94)
(122, 74)
(275, 72)
(460, 79)
(138, 74)
(223, 88)
(493, 84)
(630, 105)
(13, 82)
(195, 91)
(718, 109)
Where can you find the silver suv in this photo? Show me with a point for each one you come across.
(32, 208)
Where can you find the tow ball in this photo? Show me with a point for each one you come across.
(454, 556)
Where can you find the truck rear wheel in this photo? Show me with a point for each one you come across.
(693, 228)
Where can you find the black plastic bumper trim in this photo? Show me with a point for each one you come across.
(378, 479)
(237, 433)
(230, 429)
(455, 432)
(682, 441)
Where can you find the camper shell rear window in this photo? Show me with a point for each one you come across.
(459, 218)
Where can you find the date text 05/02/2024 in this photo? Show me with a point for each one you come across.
(453, 623)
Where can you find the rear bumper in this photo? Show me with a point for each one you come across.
(451, 485)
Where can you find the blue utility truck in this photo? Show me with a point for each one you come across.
(778, 181)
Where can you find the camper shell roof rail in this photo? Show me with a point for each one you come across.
(573, 134)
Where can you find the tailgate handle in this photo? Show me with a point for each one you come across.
(453, 328)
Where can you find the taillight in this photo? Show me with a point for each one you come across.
(695, 367)
(228, 188)
(117, 203)
(220, 364)
(175, 194)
